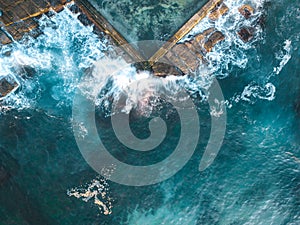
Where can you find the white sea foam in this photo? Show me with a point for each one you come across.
(267, 92)
(58, 56)
(283, 56)
(67, 47)
(97, 191)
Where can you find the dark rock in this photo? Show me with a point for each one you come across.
(50, 14)
(8, 84)
(74, 9)
(7, 52)
(27, 71)
(246, 10)
(163, 70)
(4, 39)
(213, 39)
(246, 33)
(85, 20)
(36, 32)
(297, 108)
(98, 32)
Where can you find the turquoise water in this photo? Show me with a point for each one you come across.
(147, 20)
(255, 178)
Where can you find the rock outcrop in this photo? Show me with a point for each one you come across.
(218, 11)
(8, 84)
(18, 17)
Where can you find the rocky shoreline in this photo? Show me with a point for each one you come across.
(174, 58)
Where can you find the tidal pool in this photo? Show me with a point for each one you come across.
(140, 20)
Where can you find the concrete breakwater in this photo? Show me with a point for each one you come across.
(173, 58)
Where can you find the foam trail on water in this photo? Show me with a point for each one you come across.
(283, 56)
(97, 191)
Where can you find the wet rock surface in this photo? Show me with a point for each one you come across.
(212, 40)
(4, 39)
(18, 17)
(218, 11)
(246, 33)
(8, 85)
(164, 69)
(189, 55)
(246, 10)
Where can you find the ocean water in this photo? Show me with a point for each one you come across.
(255, 178)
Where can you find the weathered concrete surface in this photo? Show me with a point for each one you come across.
(17, 17)
(218, 11)
(186, 57)
(185, 29)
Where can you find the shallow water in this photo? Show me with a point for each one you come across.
(255, 178)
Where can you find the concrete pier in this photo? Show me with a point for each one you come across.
(185, 29)
(102, 24)
(189, 55)
(18, 17)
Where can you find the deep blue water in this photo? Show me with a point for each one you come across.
(255, 178)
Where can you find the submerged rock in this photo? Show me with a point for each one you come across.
(9, 166)
(297, 107)
(4, 175)
(8, 85)
(85, 20)
(27, 71)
